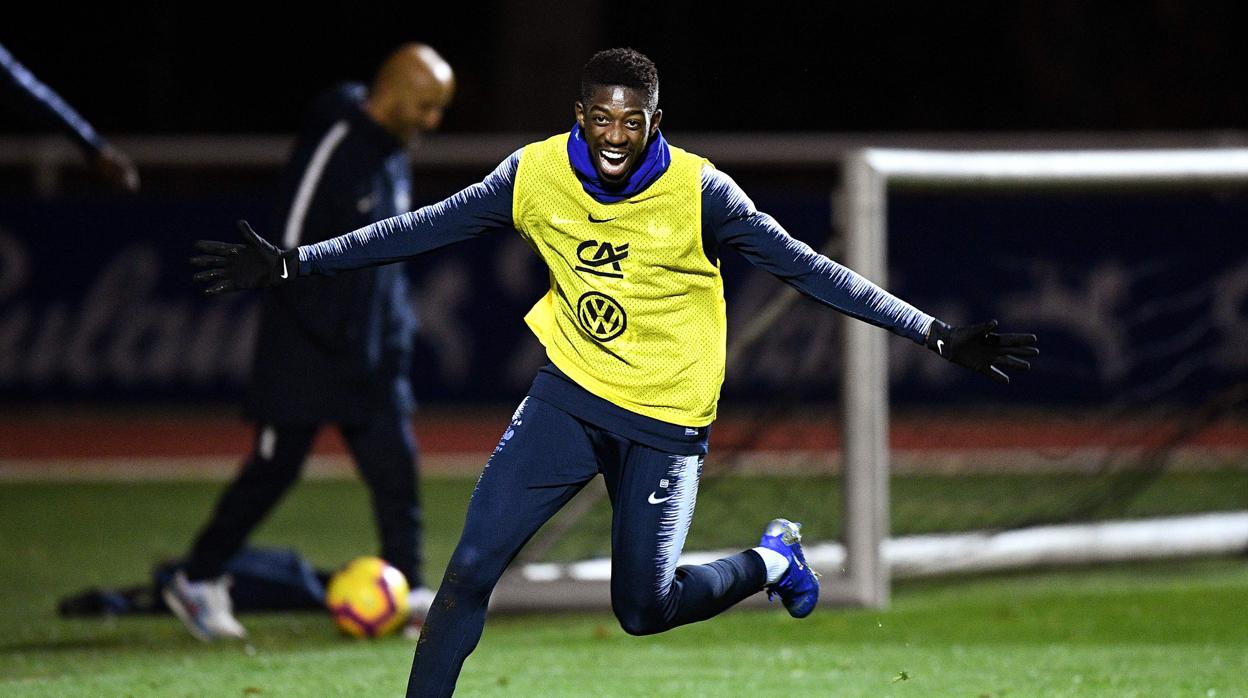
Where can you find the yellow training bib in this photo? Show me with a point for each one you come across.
(635, 312)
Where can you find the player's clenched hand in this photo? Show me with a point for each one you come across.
(980, 348)
(232, 267)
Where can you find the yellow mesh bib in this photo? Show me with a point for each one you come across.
(635, 312)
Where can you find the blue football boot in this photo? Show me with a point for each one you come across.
(798, 587)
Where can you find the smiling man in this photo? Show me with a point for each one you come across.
(634, 327)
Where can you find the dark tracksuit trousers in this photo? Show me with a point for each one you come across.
(544, 458)
(384, 450)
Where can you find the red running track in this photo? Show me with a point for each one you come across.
(71, 436)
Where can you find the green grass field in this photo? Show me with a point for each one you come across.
(1164, 629)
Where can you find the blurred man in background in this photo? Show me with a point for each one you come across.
(20, 89)
(335, 351)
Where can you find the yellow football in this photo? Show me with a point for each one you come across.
(368, 597)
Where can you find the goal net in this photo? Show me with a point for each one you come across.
(1132, 264)
(1129, 439)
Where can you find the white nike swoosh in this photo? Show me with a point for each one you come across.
(940, 347)
(655, 500)
(284, 268)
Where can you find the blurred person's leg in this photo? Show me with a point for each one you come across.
(274, 465)
(386, 456)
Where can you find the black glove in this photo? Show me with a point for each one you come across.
(231, 267)
(978, 347)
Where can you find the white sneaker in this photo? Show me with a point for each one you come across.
(204, 607)
(419, 600)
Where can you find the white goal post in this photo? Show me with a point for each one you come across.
(863, 203)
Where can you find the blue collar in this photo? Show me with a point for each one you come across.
(652, 166)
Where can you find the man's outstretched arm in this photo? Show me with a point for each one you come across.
(731, 215)
(20, 88)
(481, 207)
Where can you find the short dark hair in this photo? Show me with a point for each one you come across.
(621, 66)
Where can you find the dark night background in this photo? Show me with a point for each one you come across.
(156, 67)
(1060, 265)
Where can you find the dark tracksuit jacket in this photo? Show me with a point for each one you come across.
(336, 349)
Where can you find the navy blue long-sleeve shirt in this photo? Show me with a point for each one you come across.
(729, 218)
